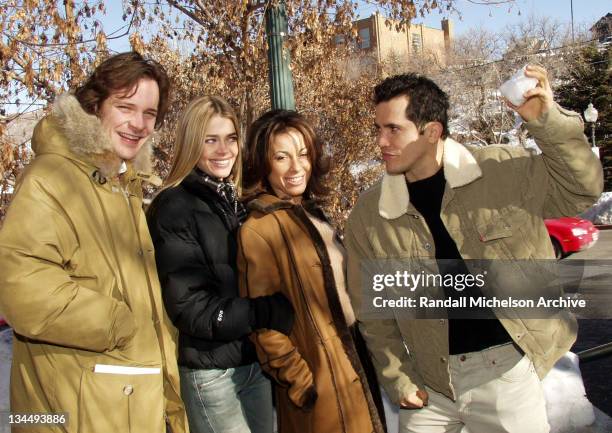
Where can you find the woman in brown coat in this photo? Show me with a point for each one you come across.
(288, 246)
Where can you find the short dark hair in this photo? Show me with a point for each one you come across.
(258, 153)
(122, 72)
(426, 101)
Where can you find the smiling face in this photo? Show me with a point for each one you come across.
(129, 117)
(220, 148)
(290, 165)
(404, 149)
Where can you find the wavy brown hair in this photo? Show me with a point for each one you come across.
(122, 72)
(258, 154)
(426, 101)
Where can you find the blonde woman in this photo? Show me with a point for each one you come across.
(193, 224)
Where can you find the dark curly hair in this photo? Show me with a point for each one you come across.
(256, 168)
(426, 101)
(122, 72)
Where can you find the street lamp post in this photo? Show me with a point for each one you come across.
(572, 12)
(590, 115)
(281, 82)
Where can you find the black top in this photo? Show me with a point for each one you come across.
(194, 229)
(464, 335)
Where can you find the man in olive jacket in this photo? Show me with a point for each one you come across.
(441, 200)
(78, 284)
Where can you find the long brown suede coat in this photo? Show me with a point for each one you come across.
(280, 250)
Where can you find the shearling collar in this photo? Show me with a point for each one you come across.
(87, 139)
(269, 203)
(460, 168)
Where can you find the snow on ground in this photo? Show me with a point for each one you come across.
(568, 408)
(600, 212)
(6, 338)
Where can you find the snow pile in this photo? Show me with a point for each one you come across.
(6, 338)
(569, 411)
(600, 212)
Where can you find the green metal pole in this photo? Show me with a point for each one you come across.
(281, 83)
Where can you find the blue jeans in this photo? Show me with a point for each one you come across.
(236, 400)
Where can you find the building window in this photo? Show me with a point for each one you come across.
(364, 38)
(417, 43)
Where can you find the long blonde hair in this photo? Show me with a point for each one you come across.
(190, 134)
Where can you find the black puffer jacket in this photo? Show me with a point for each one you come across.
(194, 232)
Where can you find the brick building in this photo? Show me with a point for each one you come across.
(383, 41)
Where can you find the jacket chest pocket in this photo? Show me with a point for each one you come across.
(502, 235)
(495, 229)
(406, 238)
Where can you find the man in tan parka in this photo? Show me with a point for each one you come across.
(78, 282)
(441, 201)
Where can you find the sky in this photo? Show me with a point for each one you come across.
(473, 16)
(495, 18)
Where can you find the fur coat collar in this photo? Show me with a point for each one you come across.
(72, 132)
(460, 168)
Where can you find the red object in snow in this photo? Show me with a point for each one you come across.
(570, 234)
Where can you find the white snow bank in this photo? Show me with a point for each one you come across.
(6, 338)
(569, 411)
(600, 212)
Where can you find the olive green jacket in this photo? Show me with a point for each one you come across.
(493, 207)
(79, 286)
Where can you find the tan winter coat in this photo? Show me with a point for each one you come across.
(79, 286)
(280, 250)
(493, 207)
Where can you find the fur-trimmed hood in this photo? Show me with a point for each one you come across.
(72, 132)
(460, 168)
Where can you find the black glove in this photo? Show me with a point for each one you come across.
(272, 312)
